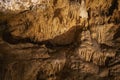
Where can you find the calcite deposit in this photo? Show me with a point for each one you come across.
(59, 39)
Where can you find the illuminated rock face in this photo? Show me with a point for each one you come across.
(14, 5)
(59, 39)
(83, 11)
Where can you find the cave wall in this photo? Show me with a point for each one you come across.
(59, 39)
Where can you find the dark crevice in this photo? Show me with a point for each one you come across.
(117, 34)
(7, 37)
(104, 46)
(57, 12)
(113, 7)
(54, 2)
(16, 40)
(115, 64)
(113, 61)
(10, 39)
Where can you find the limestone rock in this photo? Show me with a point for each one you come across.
(59, 39)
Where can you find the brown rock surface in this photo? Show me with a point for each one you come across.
(60, 40)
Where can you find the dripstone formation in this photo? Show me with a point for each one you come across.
(59, 39)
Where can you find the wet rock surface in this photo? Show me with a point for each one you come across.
(60, 40)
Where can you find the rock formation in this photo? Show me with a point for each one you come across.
(59, 39)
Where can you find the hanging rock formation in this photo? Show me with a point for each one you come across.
(59, 39)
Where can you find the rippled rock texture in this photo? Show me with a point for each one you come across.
(59, 39)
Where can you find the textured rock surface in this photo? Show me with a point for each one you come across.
(59, 39)
(18, 5)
